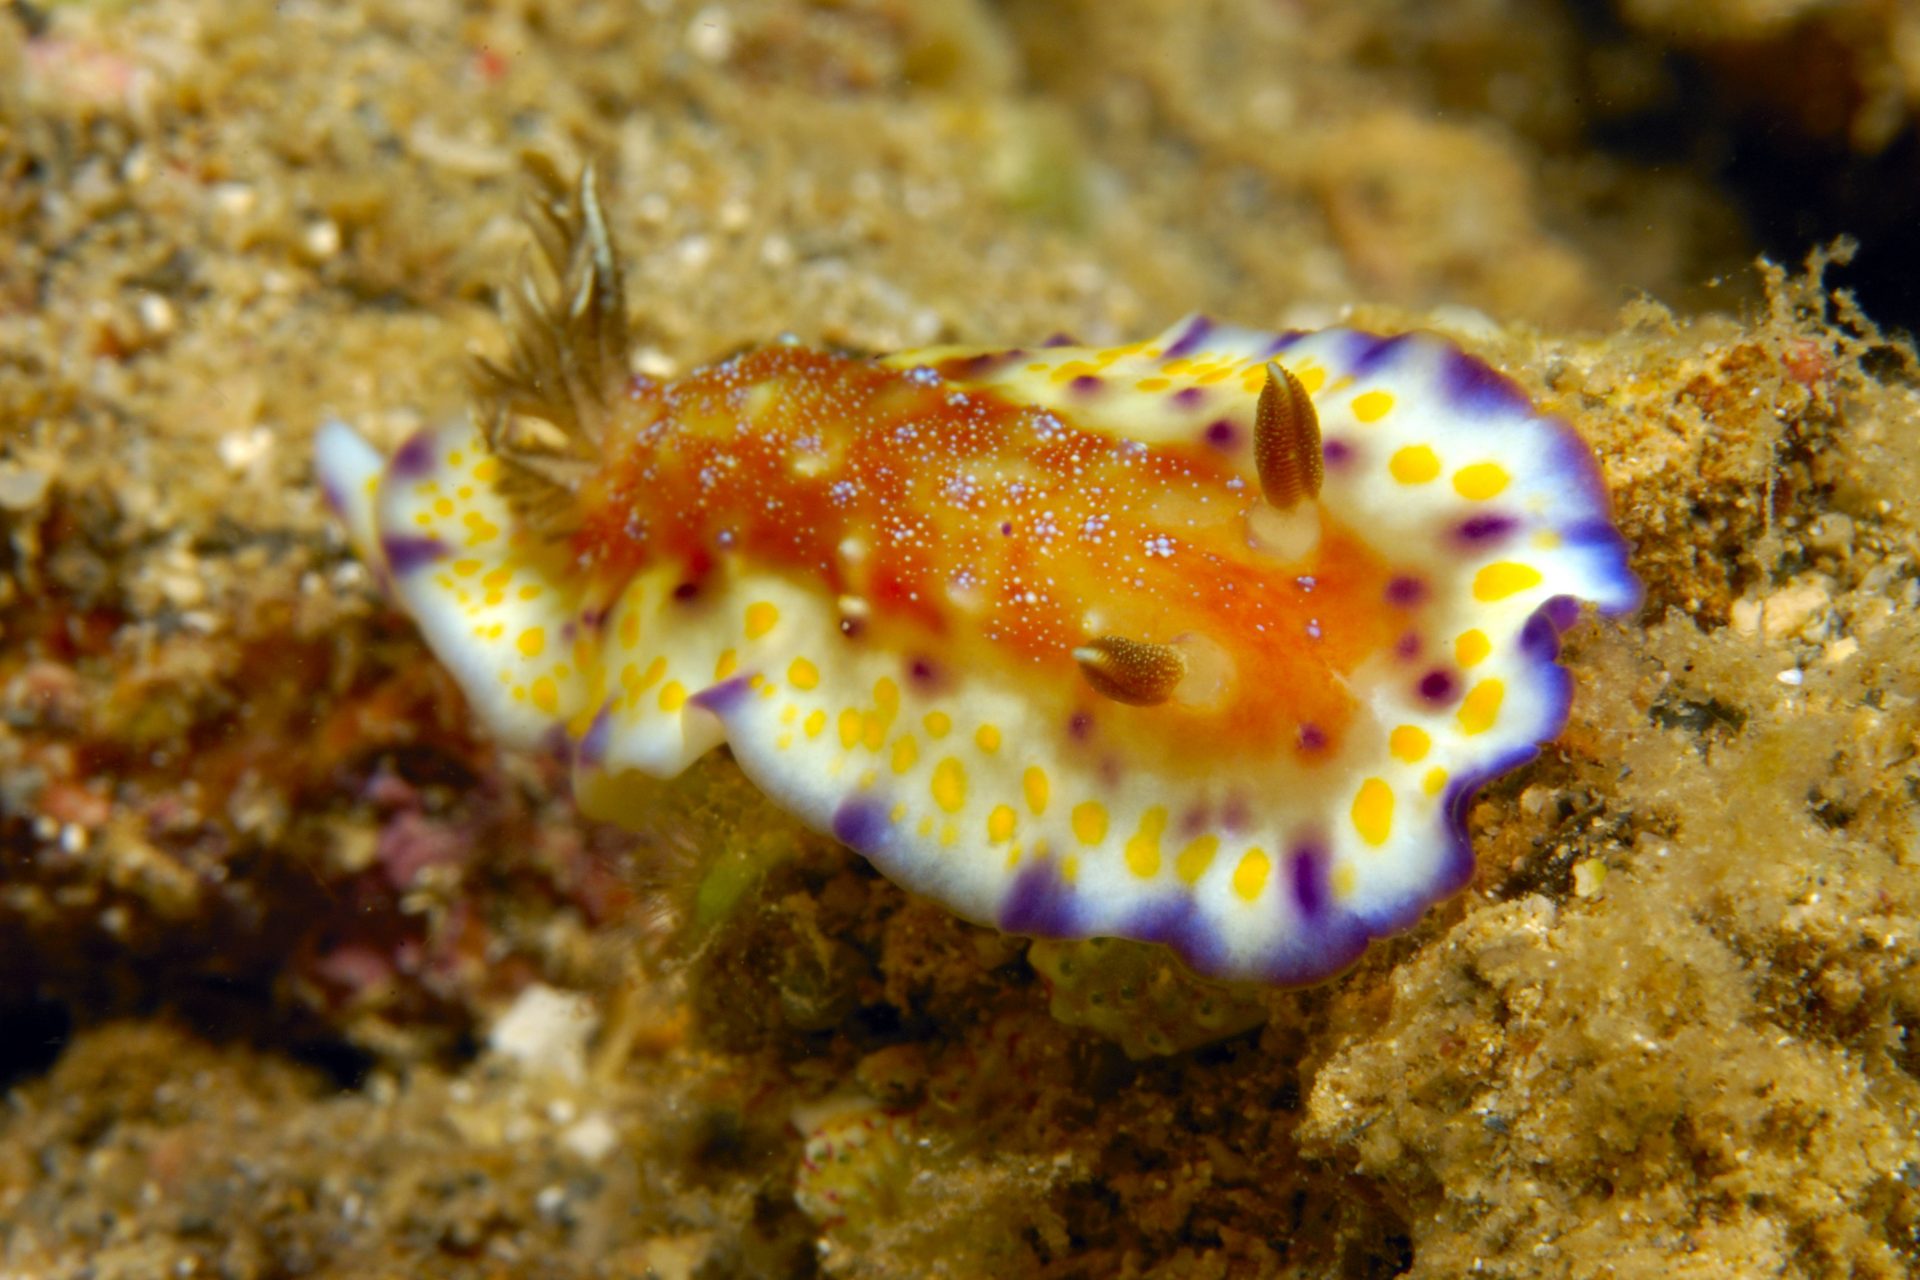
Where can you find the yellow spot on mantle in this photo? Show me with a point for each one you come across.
(1373, 811)
(1502, 579)
(1415, 464)
(1090, 822)
(532, 642)
(1471, 648)
(1409, 743)
(1195, 859)
(1034, 783)
(987, 738)
(1434, 782)
(761, 617)
(673, 696)
(803, 674)
(938, 724)
(1143, 849)
(546, 695)
(815, 722)
(480, 530)
(906, 753)
(728, 663)
(1480, 709)
(1250, 877)
(1371, 406)
(1480, 481)
(1001, 823)
(949, 785)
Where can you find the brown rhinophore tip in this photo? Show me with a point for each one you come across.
(1286, 441)
(1139, 673)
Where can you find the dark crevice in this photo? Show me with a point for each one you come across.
(1797, 187)
(33, 1035)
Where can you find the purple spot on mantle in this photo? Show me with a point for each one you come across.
(1538, 639)
(1061, 340)
(1189, 397)
(1481, 530)
(1234, 817)
(1594, 533)
(1366, 352)
(1475, 387)
(1438, 687)
(686, 593)
(1336, 453)
(1283, 341)
(1175, 921)
(406, 552)
(861, 823)
(414, 458)
(555, 744)
(1408, 645)
(1561, 611)
(924, 673)
(1039, 905)
(1222, 434)
(1080, 726)
(336, 500)
(1190, 339)
(591, 751)
(724, 698)
(972, 367)
(1406, 591)
(1006, 528)
(1309, 879)
(1311, 738)
(1085, 385)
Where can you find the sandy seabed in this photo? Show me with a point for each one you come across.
(299, 976)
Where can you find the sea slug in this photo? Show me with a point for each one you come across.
(1204, 641)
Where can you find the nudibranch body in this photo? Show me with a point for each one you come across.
(1204, 641)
